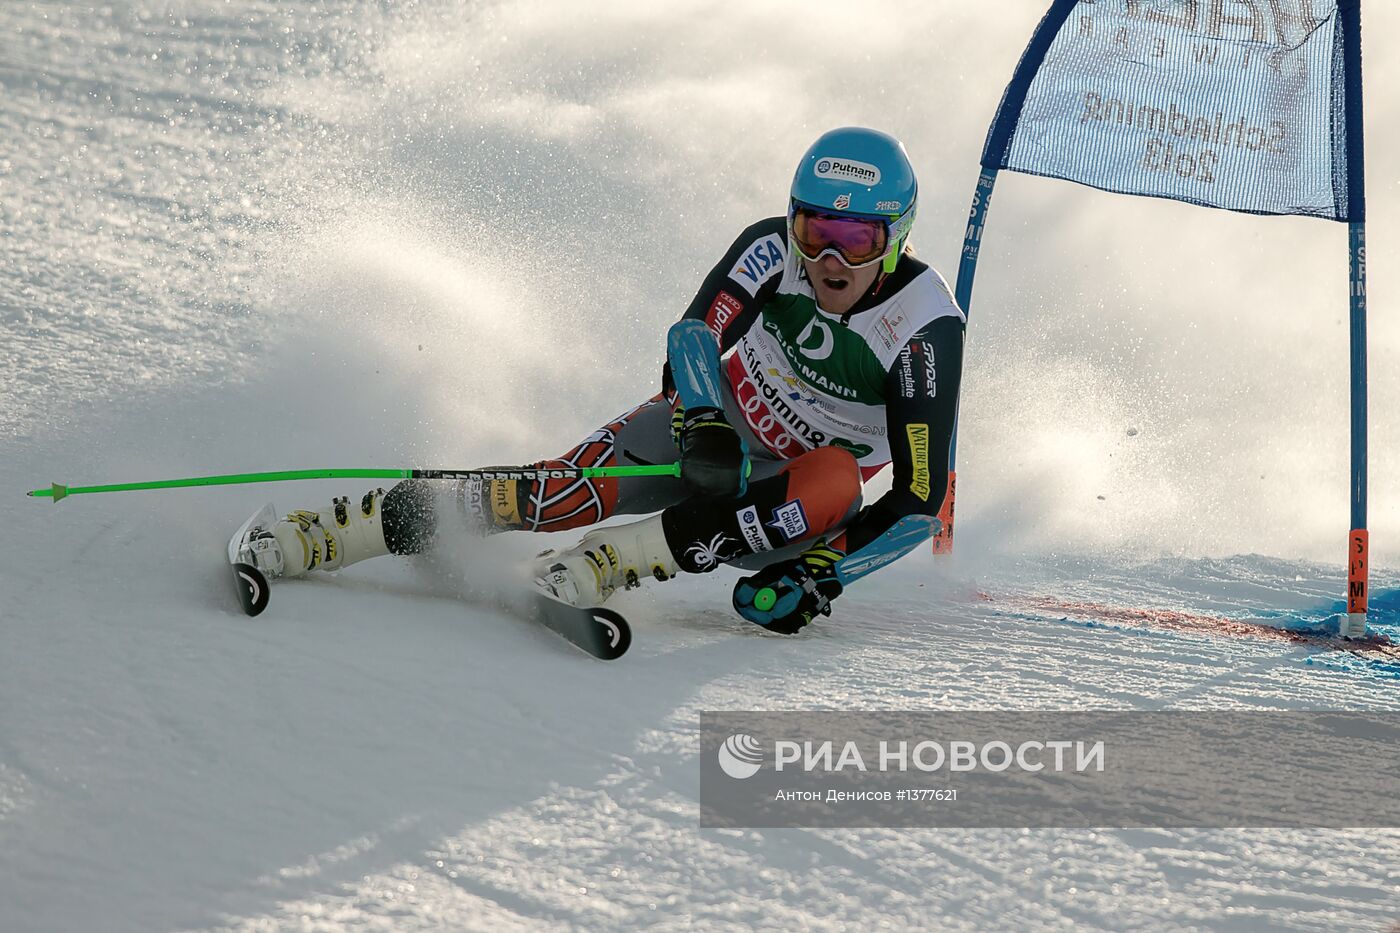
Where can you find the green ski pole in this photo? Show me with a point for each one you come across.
(57, 491)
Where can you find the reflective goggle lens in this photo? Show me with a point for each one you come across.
(859, 240)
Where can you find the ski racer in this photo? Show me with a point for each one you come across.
(817, 351)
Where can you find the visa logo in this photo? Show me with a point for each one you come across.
(759, 263)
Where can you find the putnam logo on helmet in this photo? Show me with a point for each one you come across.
(848, 170)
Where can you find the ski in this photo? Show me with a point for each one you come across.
(602, 633)
(250, 583)
(252, 588)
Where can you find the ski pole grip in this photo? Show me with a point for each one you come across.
(765, 599)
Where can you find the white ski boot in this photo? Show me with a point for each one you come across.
(304, 541)
(605, 561)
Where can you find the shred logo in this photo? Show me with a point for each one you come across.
(759, 263)
(723, 309)
(918, 452)
(752, 530)
(848, 170)
(790, 520)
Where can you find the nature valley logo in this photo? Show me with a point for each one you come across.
(918, 450)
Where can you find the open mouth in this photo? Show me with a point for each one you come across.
(835, 285)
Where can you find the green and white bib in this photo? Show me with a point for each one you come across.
(805, 380)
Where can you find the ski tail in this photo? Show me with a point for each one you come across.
(250, 582)
(253, 590)
(601, 632)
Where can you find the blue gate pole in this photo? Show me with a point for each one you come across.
(1358, 547)
(967, 271)
(1358, 542)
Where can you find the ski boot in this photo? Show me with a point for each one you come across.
(605, 561)
(304, 541)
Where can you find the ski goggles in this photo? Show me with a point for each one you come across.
(857, 240)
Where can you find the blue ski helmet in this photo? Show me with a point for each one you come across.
(854, 170)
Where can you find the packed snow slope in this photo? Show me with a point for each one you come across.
(256, 235)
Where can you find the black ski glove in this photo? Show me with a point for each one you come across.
(785, 596)
(714, 461)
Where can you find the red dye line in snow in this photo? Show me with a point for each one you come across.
(1197, 623)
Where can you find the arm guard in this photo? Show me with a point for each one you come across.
(693, 356)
